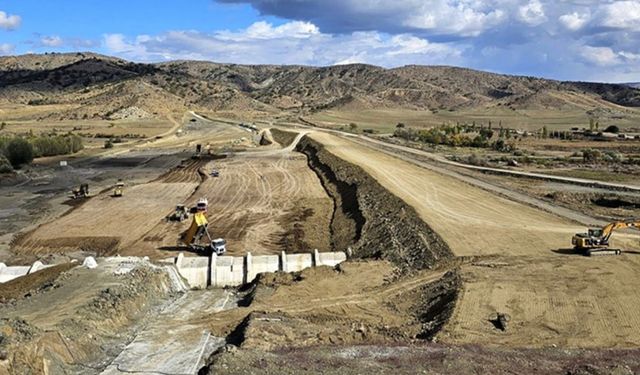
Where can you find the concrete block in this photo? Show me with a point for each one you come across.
(11, 273)
(229, 271)
(331, 259)
(212, 268)
(179, 260)
(90, 263)
(247, 268)
(283, 262)
(196, 271)
(261, 264)
(298, 262)
(36, 266)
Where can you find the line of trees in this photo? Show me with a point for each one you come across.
(18, 150)
(455, 136)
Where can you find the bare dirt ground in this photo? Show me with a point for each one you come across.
(266, 200)
(263, 202)
(359, 302)
(471, 220)
(82, 321)
(563, 293)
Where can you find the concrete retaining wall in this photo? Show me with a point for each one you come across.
(194, 269)
(10, 273)
(222, 271)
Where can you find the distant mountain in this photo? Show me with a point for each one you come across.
(91, 86)
(633, 84)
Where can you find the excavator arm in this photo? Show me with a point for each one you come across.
(608, 230)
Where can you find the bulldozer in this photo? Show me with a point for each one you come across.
(80, 192)
(194, 235)
(117, 191)
(596, 240)
(181, 213)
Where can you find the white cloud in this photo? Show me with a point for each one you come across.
(574, 21)
(51, 41)
(290, 43)
(602, 56)
(621, 15)
(9, 21)
(6, 49)
(532, 13)
(461, 19)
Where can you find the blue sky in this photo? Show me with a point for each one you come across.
(565, 39)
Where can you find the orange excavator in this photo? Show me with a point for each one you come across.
(596, 240)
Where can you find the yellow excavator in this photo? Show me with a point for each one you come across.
(596, 240)
(198, 229)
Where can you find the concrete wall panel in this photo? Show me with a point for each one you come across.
(298, 262)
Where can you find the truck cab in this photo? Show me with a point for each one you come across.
(219, 246)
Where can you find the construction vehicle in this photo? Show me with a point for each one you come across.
(202, 205)
(81, 192)
(180, 214)
(198, 151)
(596, 240)
(194, 235)
(117, 191)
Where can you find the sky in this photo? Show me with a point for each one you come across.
(563, 39)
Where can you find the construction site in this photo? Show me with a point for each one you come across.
(294, 249)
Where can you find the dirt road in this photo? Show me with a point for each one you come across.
(554, 296)
(472, 221)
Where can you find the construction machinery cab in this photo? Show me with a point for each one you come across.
(198, 151)
(594, 232)
(219, 246)
(180, 214)
(118, 190)
(202, 205)
(81, 192)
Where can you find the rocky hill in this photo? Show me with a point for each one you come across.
(87, 85)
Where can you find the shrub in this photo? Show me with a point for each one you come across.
(56, 145)
(5, 166)
(613, 156)
(19, 151)
(108, 144)
(475, 159)
(612, 129)
(591, 155)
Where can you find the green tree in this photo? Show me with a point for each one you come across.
(19, 151)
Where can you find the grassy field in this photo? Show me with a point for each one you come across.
(599, 175)
(385, 120)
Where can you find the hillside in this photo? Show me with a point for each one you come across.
(91, 86)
